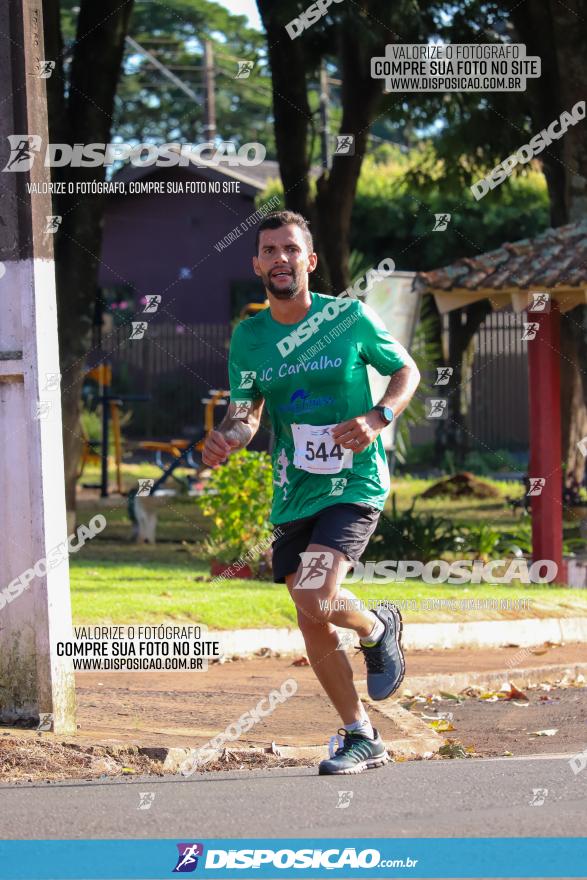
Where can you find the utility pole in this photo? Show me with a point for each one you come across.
(136, 47)
(35, 610)
(210, 95)
(324, 102)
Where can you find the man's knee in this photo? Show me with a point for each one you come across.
(312, 616)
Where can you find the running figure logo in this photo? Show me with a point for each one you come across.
(441, 222)
(338, 485)
(344, 799)
(315, 567)
(345, 145)
(540, 302)
(282, 481)
(443, 375)
(139, 328)
(436, 408)
(53, 222)
(244, 69)
(531, 328)
(22, 151)
(45, 69)
(539, 795)
(153, 301)
(536, 485)
(187, 860)
(247, 378)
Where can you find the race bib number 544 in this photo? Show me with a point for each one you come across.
(317, 452)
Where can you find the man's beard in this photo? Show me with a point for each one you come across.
(283, 292)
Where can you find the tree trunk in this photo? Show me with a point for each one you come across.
(292, 63)
(83, 116)
(573, 402)
(336, 189)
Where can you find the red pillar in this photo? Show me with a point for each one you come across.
(545, 436)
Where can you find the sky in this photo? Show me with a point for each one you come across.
(243, 7)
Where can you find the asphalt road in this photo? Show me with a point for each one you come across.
(452, 798)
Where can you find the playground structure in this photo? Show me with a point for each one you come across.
(111, 407)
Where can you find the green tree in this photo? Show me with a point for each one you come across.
(100, 91)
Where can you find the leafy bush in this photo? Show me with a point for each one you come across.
(409, 535)
(237, 501)
(485, 542)
(490, 462)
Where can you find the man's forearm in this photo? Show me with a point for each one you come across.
(401, 388)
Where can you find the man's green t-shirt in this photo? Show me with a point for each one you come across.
(314, 373)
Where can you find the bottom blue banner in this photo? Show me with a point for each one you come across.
(511, 857)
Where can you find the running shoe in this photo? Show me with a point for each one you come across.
(354, 754)
(385, 661)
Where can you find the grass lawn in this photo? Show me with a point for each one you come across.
(114, 580)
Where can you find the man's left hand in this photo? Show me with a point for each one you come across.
(357, 434)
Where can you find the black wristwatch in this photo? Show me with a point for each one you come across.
(386, 413)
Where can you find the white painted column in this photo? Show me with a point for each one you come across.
(35, 609)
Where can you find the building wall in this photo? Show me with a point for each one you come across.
(150, 239)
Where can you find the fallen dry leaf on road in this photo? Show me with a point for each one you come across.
(301, 661)
(448, 696)
(511, 692)
(452, 749)
(550, 732)
(441, 725)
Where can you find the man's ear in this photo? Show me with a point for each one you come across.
(256, 268)
(312, 262)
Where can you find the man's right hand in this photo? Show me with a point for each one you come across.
(217, 448)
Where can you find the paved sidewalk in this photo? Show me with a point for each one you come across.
(171, 709)
(175, 713)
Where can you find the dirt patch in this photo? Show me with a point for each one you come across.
(463, 485)
(497, 727)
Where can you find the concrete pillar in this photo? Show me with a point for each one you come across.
(35, 610)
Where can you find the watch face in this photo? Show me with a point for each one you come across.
(388, 413)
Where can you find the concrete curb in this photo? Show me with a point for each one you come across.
(474, 634)
(416, 740)
(454, 682)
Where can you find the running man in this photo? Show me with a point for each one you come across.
(306, 357)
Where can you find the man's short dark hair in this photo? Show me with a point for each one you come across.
(285, 218)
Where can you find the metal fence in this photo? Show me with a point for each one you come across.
(177, 365)
(499, 386)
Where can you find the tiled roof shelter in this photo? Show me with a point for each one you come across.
(553, 263)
